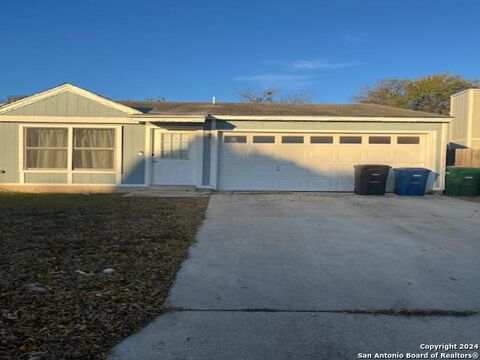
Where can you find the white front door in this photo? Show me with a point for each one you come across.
(173, 161)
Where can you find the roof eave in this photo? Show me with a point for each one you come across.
(439, 119)
(170, 118)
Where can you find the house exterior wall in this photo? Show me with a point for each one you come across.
(90, 178)
(459, 110)
(133, 169)
(465, 125)
(67, 104)
(9, 153)
(134, 142)
(45, 178)
(475, 119)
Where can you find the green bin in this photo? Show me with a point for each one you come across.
(462, 181)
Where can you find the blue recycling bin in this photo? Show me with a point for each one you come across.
(411, 181)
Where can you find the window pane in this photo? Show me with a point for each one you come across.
(379, 140)
(93, 159)
(94, 138)
(46, 159)
(184, 145)
(236, 139)
(350, 139)
(46, 137)
(165, 154)
(292, 139)
(408, 140)
(264, 139)
(321, 139)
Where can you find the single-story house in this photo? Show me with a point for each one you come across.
(69, 137)
(465, 126)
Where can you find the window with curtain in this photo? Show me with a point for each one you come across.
(94, 149)
(46, 148)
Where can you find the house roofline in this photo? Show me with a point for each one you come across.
(63, 88)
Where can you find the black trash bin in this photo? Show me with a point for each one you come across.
(371, 179)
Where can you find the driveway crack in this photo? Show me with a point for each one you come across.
(391, 311)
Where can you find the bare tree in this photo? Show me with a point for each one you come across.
(260, 97)
(298, 97)
(271, 96)
(157, 99)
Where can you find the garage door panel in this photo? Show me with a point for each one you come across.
(263, 184)
(321, 155)
(380, 155)
(321, 184)
(408, 155)
(285, 169)
(292, 185)
(235, 154)
(291, 155)
(263, 169)
(264, 153)
(234, 169)
(352, 155)
(309, 167)
(346, 184)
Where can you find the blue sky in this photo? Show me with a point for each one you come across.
(193, 50)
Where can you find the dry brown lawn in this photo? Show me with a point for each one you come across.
(55, 300)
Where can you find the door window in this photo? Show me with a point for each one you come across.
(350, 139)
(174, 146)
(264, 139)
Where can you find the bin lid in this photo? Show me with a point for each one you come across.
(412, 169)
(462, 168)
(372, 165)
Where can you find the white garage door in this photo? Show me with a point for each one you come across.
(310, 162)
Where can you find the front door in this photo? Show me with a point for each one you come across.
(172, 161)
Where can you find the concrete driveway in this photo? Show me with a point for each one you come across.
(304, 276)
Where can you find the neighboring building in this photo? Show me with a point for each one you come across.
(465, 125)
(69, 137)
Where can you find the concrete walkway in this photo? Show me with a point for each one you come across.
(303, 276)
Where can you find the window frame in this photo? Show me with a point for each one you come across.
(113, 149)
(69, 171)
(26, 148)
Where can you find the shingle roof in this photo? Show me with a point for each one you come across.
(254, 109)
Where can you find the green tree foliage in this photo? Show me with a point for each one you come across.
(427, 93)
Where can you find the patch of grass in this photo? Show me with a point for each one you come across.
(48, 310)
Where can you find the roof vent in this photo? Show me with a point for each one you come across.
(214, 100)
(13, 98)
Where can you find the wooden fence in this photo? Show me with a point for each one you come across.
(467, 157)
